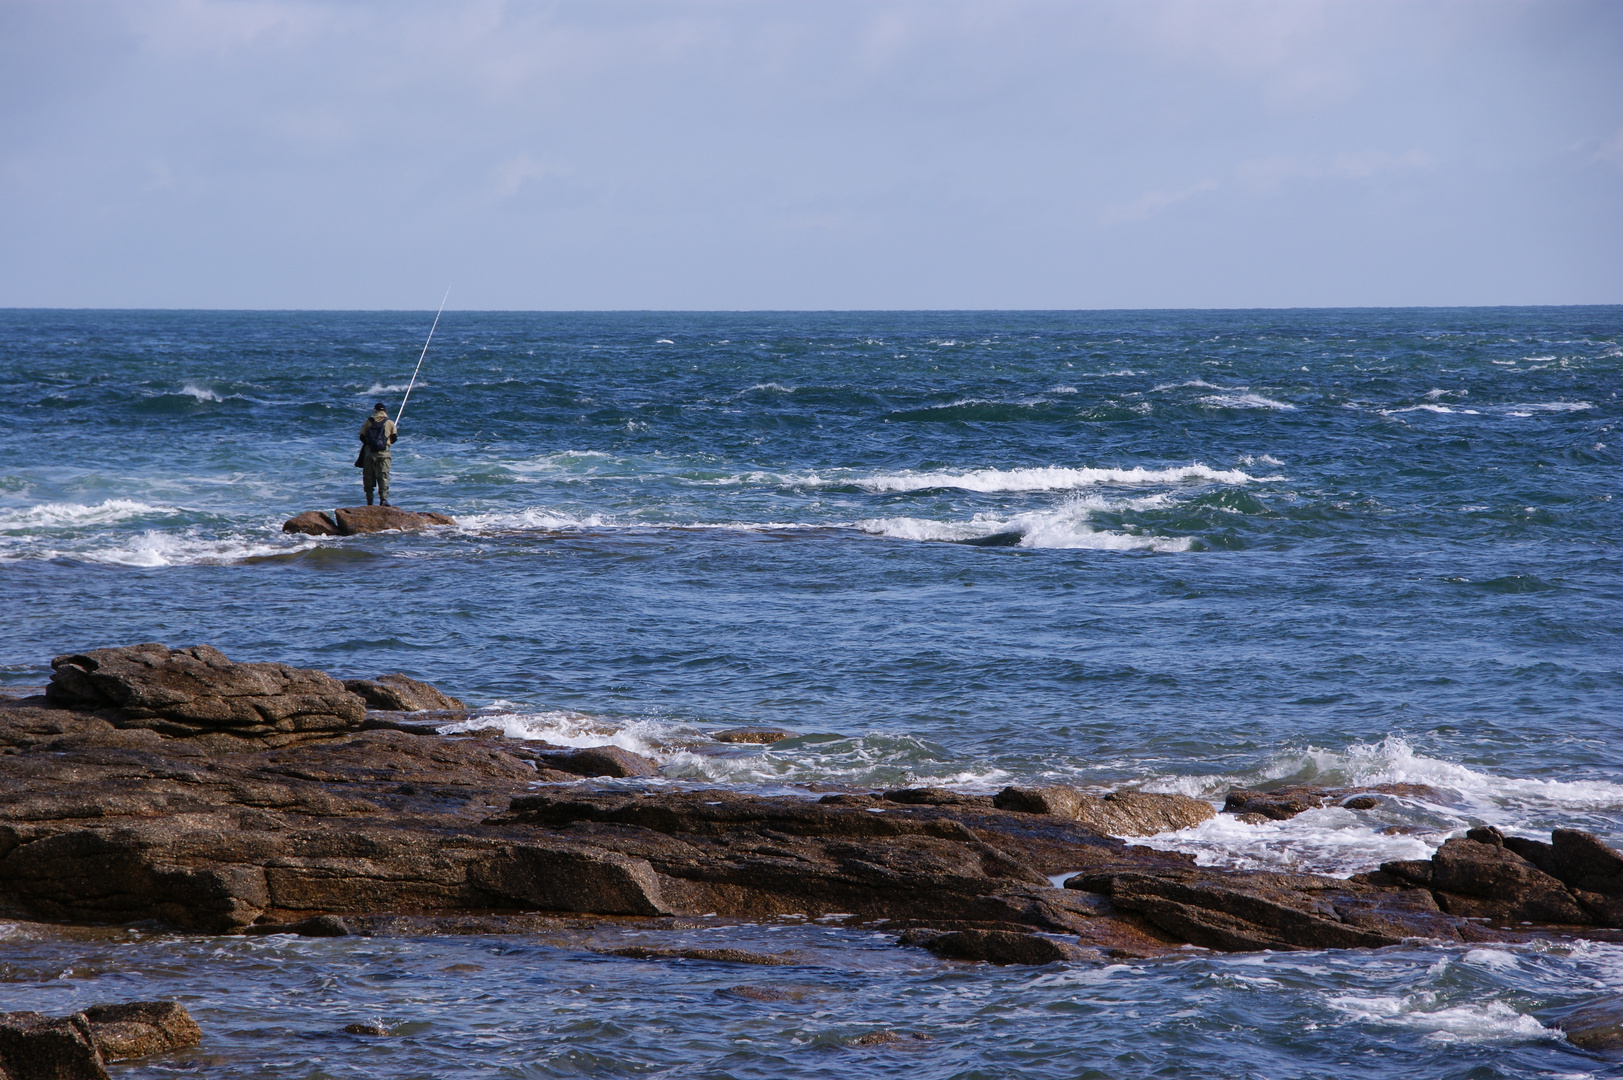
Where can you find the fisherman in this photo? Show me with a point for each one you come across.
(377, 435)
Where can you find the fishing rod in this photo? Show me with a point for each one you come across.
(402, 410)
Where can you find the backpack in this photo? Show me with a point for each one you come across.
(376, 436)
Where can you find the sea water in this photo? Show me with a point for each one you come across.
(1183, 551)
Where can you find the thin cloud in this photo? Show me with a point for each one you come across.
(1152, 203)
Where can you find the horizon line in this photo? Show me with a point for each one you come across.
(811, 311)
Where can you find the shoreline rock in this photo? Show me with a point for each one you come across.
(78, 1047)
(159, 784)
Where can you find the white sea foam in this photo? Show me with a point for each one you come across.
(533, 517)
(77, 515)
(1493, 1021)
(1198, 383)
(392, 388)
(1332, 840)
(1244, 401)
(1548, 406)
(1259, 459)
(650, 738)
(1394, 761)
(155, 548)
(1044, 479)
(200, 393)
(683, 751)
(1065, 526)
(1430, 409)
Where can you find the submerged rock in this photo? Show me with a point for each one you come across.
(758, 736)
(354, 520)
(1283, 803)
(1597, 1026)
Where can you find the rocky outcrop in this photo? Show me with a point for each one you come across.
(401, 693)
(1574, 880)
(114, 808)
(354, 520)
(78, 1047)
(196, 691)
(1120, 813)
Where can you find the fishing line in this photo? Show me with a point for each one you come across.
(402, 410)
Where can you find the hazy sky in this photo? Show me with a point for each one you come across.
(814, 154)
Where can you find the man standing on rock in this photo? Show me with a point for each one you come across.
(377, 435)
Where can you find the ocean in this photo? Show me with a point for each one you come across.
(1179, 550)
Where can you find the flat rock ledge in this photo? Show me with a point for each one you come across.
(355, 520)
(79, 1047)
(121, 800)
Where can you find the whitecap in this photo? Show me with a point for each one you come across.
(392, 388)
(1042, 479)
(200, 393)
(1494, 1021)
(1065, 526)
(1200, 383)
(1244, 401)
(78, 515)
(154, 548)
(1549, 406)
(1330, 841)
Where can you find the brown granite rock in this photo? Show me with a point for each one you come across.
(312, 523)
(354, 520)
(996, 946)
(196, 690)
(598, 761)
(1281, 803)
(1597, 1026)
(759, 736)
(1480, 880)
(141, 1028)
(1120, 813)
(38, 1047)
(377, 829)
(401, 693)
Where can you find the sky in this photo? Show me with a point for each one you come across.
(818, 154)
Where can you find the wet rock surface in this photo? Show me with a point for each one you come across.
(78, 1047)
(354, 520)
(1597, 1026)
(372, 829)
(1283, 803)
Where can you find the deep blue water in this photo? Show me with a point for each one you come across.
(1214, 548)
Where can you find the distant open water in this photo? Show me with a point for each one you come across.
(1186, 550)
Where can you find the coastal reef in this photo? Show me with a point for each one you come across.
(175, 786)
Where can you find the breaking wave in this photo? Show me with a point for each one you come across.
(1044, 479)
(78, 515)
